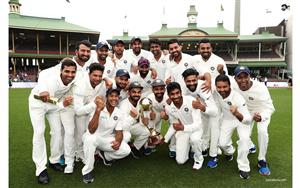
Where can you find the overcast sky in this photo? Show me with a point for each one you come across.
(145, 16)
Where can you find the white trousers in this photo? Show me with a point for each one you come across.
(184, 141)
(38, 111)
(67, 116)
(263, 138)
(81, 125)
(227, 128)
(140, 135)
(93, 141)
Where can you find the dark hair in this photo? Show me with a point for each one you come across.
(172, 41)
(173, 85)
(84, 42)
(189, 72)
(96, 66)
(154, 41)
(67, 63)
(222, 78)
(204, 40)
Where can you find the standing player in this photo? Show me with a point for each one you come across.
(261, 108)
(185, 125)
(104, 133)
(122, 83)
(158, 61)
(102, 57)
(85, 93)
(206, 104)
(235, 116)
(56, 85)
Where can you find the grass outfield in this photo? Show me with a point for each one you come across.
(156, 170)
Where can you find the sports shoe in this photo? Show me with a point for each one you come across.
(102, 156)
(172, 154)
(62, 160)
(263, 168)
(88, 178)
(69, 169)
(213, 162)
(253, 149)
(197, 165)
(229, 157)
(205, 153)
(147, 151)
(191, 155)
(56, 167)
(43, 178)
(244, 175)
(135, 153)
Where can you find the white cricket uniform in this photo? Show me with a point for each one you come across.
(144, 53)
(126, 62)
(258, 99)
(109, 69)
(102, 139)
(229, 123)
(123, 93)
(175, 70)
(38, 110)
(160, 65)
(145, 82)
(192, 133)
(157, 107)
(211, 127)
(132, 126)
(84, 105)
(209, 66)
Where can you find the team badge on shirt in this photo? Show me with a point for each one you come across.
(229, 103)
(87, 68)
(125, 61)
(212, 68)
(163, 61)
(186, 109)
(108, 71)
(186, 64)
(115, 118)
(149, 82)
(251, 98)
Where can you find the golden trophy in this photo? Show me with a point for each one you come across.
(146, 108)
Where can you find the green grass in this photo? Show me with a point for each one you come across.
(156, 170)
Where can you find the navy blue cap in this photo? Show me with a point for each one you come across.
(118, 41)
(110, 90)
(102, 44)
(122, 72)
(240, 69)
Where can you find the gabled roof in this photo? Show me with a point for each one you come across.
(206, 31)
(264, 37)
(45, 24)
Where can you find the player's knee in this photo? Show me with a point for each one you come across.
(180, 160)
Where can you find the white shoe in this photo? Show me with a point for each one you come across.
(69, 169)
(197, 165)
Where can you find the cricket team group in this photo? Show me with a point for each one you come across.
(113, 105)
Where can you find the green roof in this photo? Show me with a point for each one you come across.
(45, 24)
(14, 2)
(263, 63)
(206, 31)
(265, 36)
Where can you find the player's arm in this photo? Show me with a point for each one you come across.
(94, 123)
(118, 139)
(206, 86)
